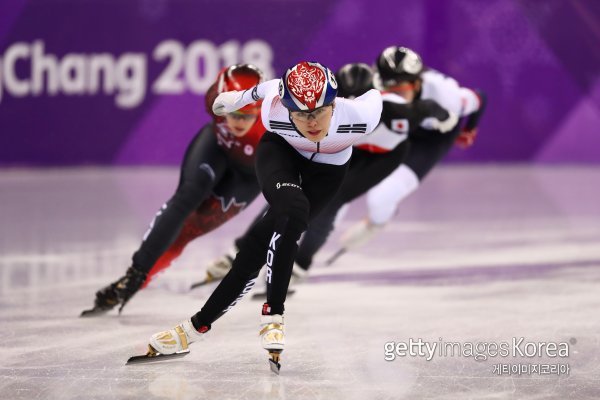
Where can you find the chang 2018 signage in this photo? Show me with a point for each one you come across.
(29, 70)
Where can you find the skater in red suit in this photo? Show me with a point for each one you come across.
(217, 181)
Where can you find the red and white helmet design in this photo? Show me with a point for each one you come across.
(307, 86)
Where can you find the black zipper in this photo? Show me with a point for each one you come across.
(318, 151)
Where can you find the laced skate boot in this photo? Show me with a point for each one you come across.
(172, 343)
(272, 338)
(218, 269)
(177, 339)
(119, 292)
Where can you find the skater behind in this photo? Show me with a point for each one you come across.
(301, 162)
(374, 158)
(400, 70)
(217, 181)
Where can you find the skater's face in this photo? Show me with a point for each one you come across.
(239, 124)
(313, 125)
(405, 89)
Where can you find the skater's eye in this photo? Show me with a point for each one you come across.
(305, 116)
(243, 117)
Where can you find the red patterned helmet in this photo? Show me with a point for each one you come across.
(240, 77)
(307, 86)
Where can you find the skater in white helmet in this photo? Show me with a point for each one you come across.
(400, 70)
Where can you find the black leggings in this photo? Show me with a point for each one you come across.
(296, 189)
(205, 170)
(428, 148)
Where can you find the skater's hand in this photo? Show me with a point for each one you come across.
(227, 102)
(447, 124)
(466, 138)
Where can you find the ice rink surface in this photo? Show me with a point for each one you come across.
(480, 254)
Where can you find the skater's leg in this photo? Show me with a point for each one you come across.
(292, 208)
(217, 269)
(204, 165)
(235, 190)
(230, 290)
(365, 171)
(319, 229)
(426, 150)
(190, 231)
(238, 281)
(383, 199)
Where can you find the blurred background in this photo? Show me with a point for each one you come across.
(111, 82)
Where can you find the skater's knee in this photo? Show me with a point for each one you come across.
(383, 199)
(295, 209)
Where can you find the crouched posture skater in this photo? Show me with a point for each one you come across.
(401, 71)
(217, 181)
(300, 164)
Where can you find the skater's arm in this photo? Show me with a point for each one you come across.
(228, 102)
(437, 117)
(366, 109)
(474, 102)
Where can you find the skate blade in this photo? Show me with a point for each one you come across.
(153, 356)
(274, 364)
(209, 279)
(275, 367)
(93, 312)
(334, 257)
(263, 295)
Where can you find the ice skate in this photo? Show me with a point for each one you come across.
(119, 292)
(358, 234)
(152, 355)
(218, 269)
(166, 345)
(272, 338)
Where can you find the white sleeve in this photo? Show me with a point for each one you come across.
(227, 102)
(369, 107)
(260, 91)
(470, 101)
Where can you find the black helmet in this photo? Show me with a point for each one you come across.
(354, 79)
(396, 64)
